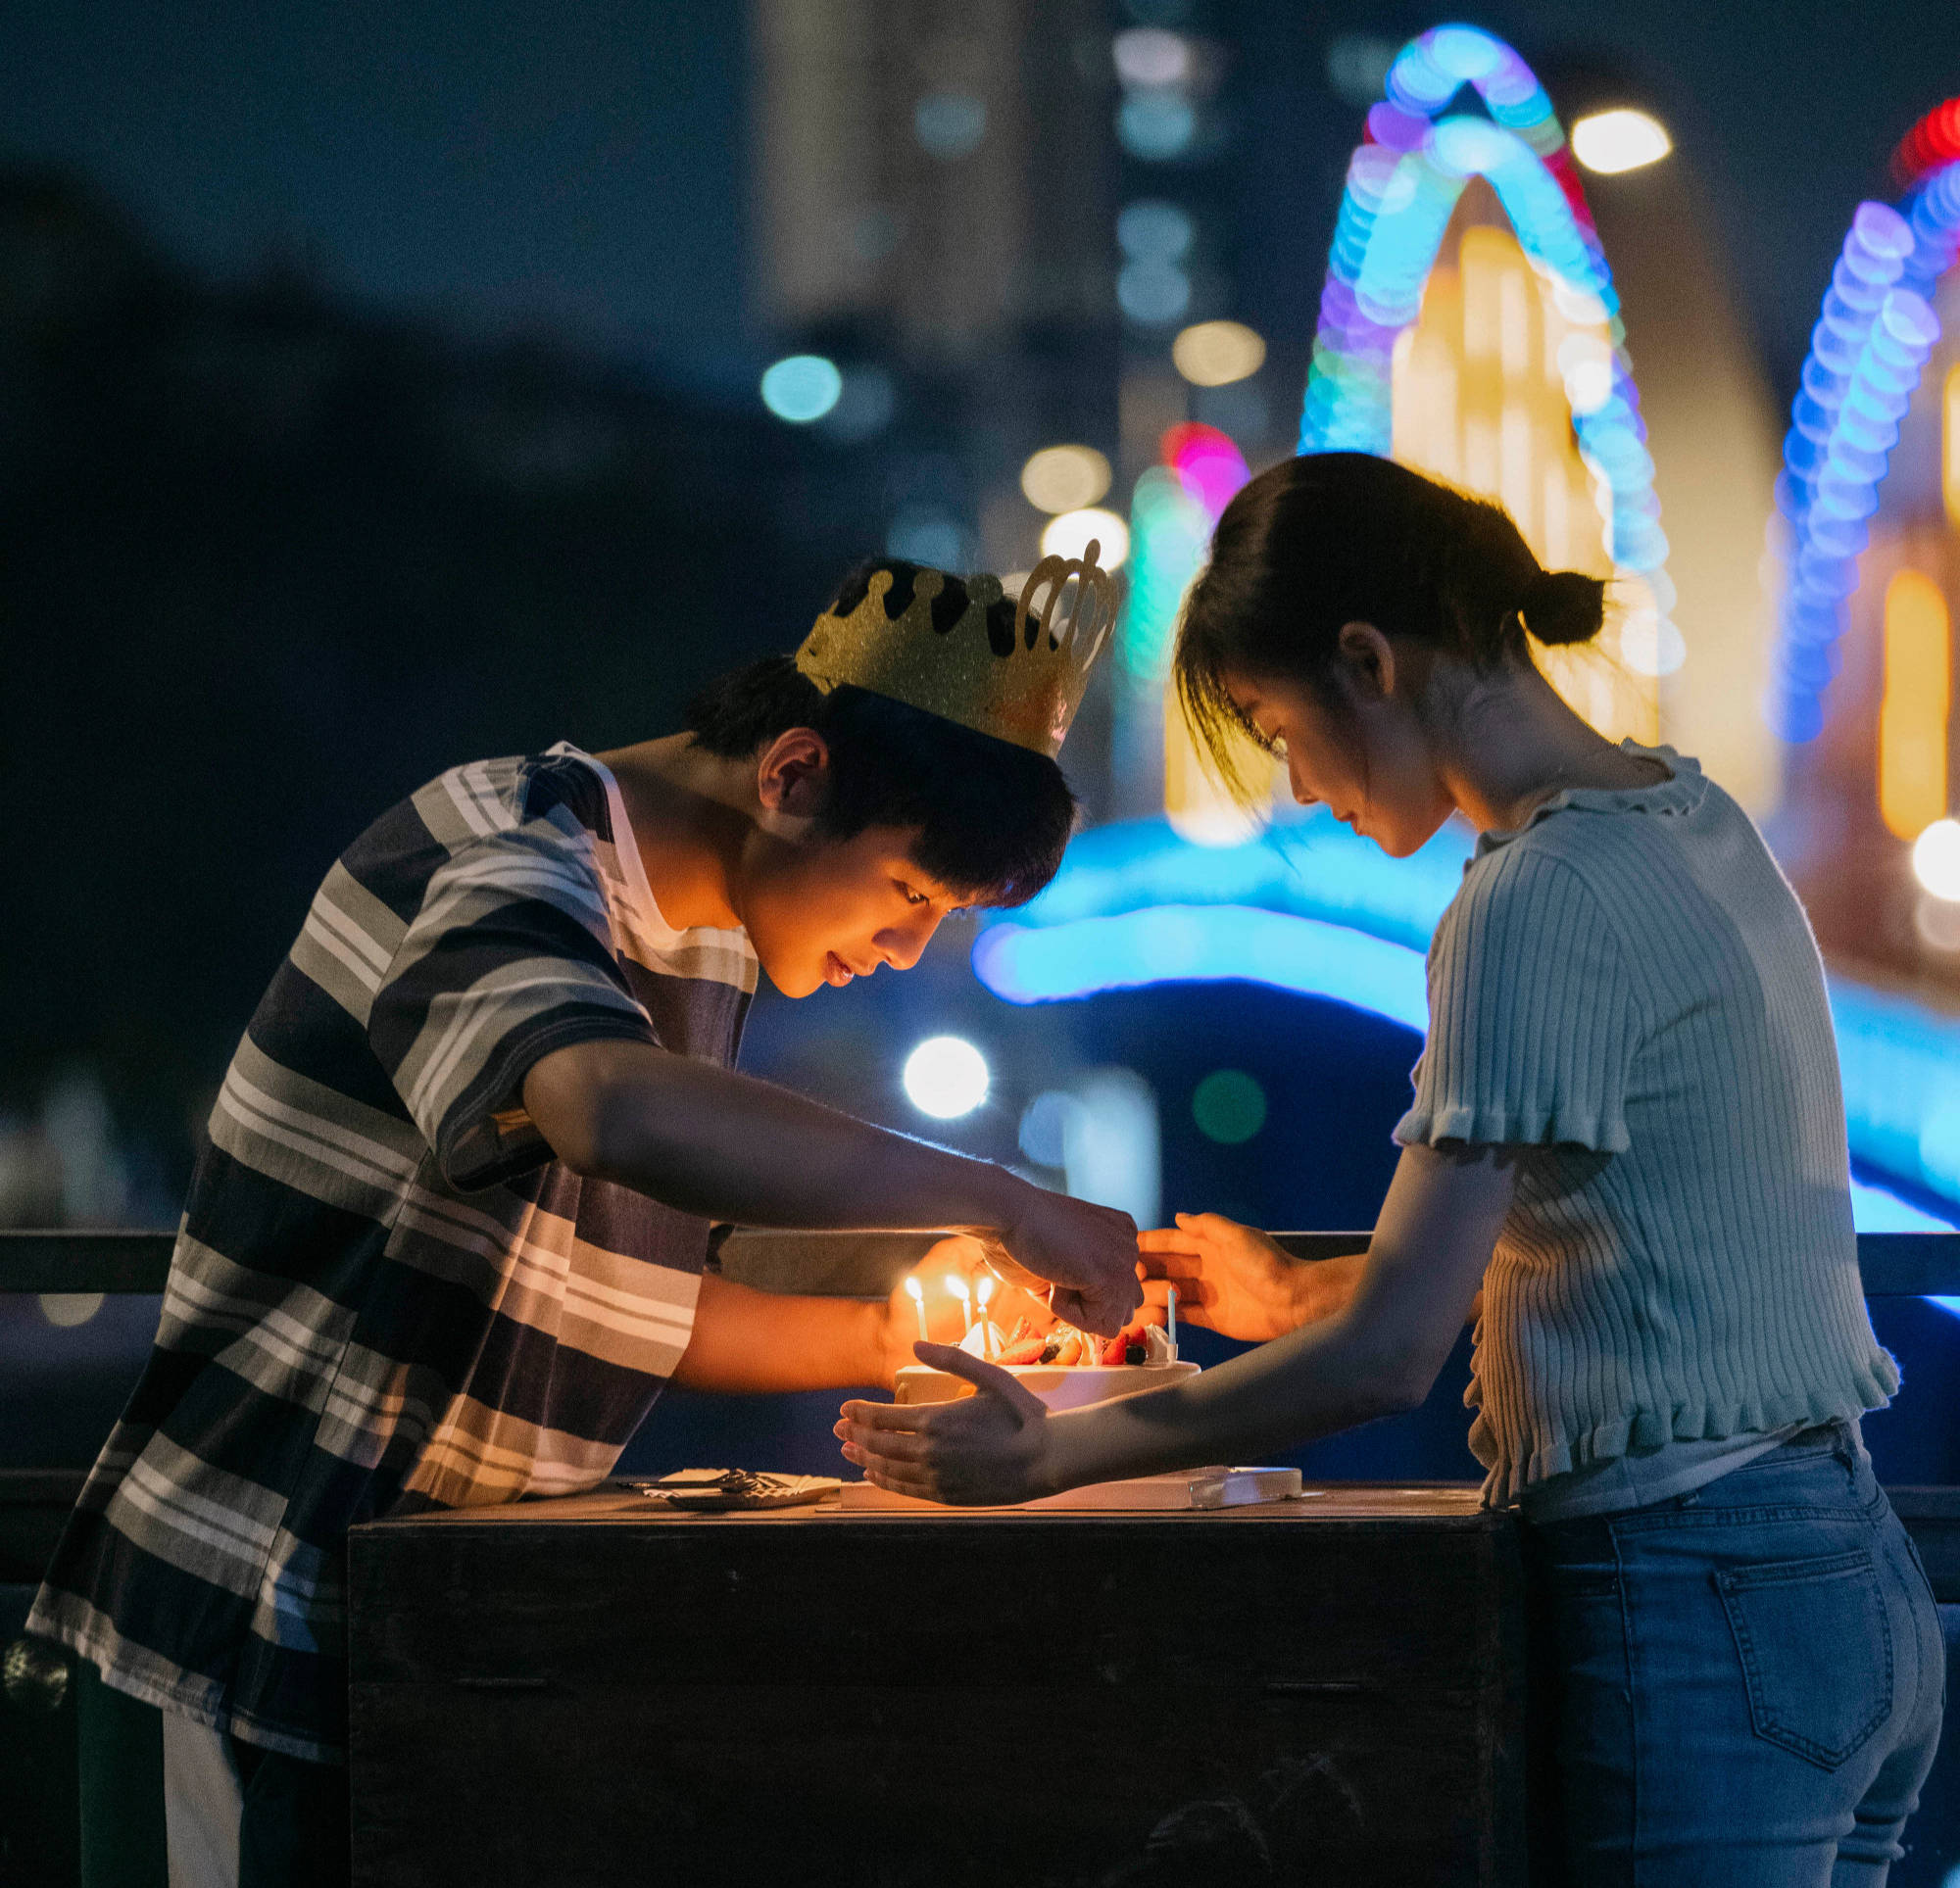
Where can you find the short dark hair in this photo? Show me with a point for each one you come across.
(1334, 537)
(992, 818)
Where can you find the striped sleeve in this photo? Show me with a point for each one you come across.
(508, 957)
(1533, 1017)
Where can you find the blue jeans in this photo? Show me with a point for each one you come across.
(1749, 1679)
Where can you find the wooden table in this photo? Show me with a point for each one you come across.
(593, 1691)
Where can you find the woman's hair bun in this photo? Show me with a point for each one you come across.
(1564, 606)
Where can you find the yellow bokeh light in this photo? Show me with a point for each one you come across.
(1949, 447)
(1064, 478)
(1071, 535)
(1913, 713)
(1625, 139)
(1484, 386)
(1214, 353)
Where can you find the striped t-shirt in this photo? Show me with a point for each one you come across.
(1628, 986)
(386, 1295)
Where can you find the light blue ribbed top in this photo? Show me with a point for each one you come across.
(1628, 986)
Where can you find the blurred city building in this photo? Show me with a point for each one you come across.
(273, 561)
(932, 191)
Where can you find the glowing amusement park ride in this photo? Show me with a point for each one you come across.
(1868, 351)
(1305, 905)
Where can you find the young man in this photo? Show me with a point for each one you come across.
(447, 1243)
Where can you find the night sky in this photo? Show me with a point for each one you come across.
(505, 165)
(517, 164)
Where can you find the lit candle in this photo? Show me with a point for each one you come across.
(955, 1284)
(984, 1290)
(916, 1292)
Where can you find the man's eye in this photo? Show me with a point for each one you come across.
(911, 896)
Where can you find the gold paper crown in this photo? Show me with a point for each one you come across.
(1027, 694)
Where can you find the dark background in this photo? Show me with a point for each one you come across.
(377, 390)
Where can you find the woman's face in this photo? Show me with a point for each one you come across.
(1364, 755)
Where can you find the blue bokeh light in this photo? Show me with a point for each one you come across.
(802, 387)
(1874, 336)
(1401, 191)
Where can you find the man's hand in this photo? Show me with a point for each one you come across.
(1087, 1253)
(1233, 1280)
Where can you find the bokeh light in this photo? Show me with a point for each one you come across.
(1873, 339)
(950, 124)
(1064, 478)
(1151, 230)
(925, 534)
(1214, 353)
(1045, 1127)
(802, 387)
(946, 1077)
(1622, 139)
(1935, 859)
(866, 403)
(1405, 182)
(1229, 1106)
(1151, 56)
(1157, 125)
(1207, 464)
(1154, 295)
(1071, 535)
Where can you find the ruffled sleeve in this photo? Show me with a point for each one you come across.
(1532, 1015)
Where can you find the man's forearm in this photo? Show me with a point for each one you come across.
(757, 1340)
(728, 1147)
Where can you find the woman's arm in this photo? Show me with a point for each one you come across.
(1376, 1356)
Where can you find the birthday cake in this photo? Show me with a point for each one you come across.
(1066, 1367)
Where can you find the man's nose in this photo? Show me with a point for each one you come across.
(903, 945)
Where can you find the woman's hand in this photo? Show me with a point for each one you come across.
(1233, 1280)
(987, 1450)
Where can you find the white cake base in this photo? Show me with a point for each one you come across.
(1062, 1387)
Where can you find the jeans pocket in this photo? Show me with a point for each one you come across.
(1816, 1647)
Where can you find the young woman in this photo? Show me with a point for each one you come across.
(1628, 1134)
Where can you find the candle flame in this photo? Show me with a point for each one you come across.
(915, 1292)
(955, 1284)
(985, 1290)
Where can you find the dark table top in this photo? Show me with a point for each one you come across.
(1425, 1506)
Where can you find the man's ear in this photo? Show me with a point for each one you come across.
(792, 775)
(1369, 661)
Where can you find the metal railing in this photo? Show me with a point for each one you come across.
(1892, 1265)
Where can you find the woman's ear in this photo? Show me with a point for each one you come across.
(1367, 659)
(792, 774)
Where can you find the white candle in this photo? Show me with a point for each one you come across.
(916, 1292)
(1170, 1322)
(955, 1284)
(984, 1290)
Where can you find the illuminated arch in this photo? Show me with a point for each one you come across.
(1867, 352)
(1307, 908)
(1403, 183)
